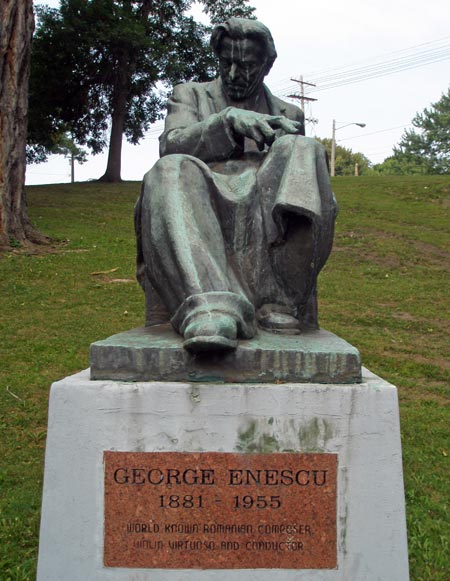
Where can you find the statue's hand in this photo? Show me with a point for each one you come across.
(259, 127)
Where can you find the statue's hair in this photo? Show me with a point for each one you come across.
(241, 28)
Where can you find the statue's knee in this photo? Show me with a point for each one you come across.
(153, 172)
(162, 165)
(286, 141)
(297, 141)
(166, 168)
(320, 148)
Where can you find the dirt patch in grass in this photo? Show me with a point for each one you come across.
(409, 395)
(441, 362)
(44, 250)
(404, 316)
(419, 254)
(426, 249)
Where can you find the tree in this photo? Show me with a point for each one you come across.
(346, 159)
(66, 146)
(106, 62)
(16, 31)
(428, 150)
(398, 165)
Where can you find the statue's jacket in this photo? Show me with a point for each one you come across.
(194, 126)
(252, 195)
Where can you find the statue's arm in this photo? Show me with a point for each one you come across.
(301, 119)
(296, 114)
(211, 139)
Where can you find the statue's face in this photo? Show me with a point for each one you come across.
(242, 65)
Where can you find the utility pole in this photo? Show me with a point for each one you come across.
(333, 145)
(333, 149)
(72, 167)
(302, 97)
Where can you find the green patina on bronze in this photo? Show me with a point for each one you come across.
(157, 353)
(236, 220)
(234, 224)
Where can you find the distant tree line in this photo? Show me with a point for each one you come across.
(346, 159)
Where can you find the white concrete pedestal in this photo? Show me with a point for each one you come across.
(359, 422)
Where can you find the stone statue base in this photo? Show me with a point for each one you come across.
(359, 423)
(156, 354)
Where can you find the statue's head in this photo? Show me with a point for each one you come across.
(246, 53)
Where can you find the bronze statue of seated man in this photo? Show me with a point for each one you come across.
(236, 219)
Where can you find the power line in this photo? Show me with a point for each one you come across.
(412, 49)
(388, 69)
(155, 130)
(428, 54)
(33, 173)
(358, 76)
(345, 75)
(375, 132)
(320, 73)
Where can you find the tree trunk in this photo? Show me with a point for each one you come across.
(119, 106)
(16, 31)
(126, 67)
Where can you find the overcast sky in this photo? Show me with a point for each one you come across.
(330, 42)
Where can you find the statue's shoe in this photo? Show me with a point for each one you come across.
(211, 332)
(277, 319)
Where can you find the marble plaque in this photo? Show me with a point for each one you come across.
(214, 510)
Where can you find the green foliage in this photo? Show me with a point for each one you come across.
(398, 165)
(346, 159)
(66, 146)
(426, 151)
(385, 290)
(94, 60)
(219, 10)
(57, 144)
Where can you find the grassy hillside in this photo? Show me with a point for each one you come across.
(385, 289)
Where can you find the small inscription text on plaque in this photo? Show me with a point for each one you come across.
(214, 510)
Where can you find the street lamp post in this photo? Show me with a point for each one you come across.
(333, 143)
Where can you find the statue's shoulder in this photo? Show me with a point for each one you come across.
(195, 87)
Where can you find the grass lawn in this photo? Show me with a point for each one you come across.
(384, 289)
